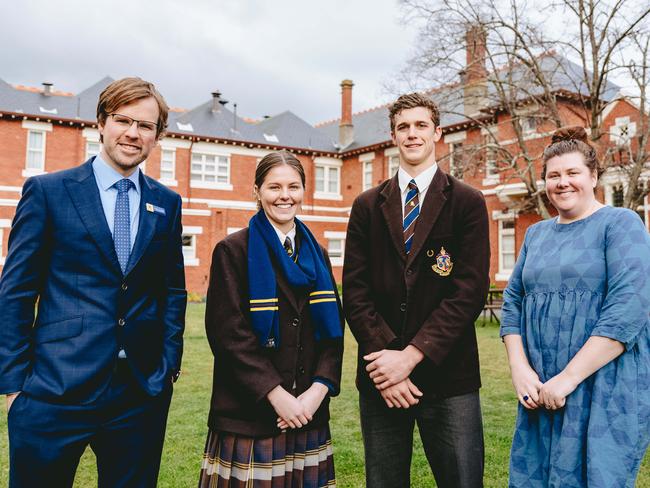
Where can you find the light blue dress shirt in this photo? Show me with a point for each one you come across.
(106, 177)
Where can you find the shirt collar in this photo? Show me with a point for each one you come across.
(423, 180)
(282, 236)
(107, 176)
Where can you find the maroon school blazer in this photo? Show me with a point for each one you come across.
(244, 372)
(429, 298)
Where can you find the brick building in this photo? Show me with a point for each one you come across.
(209, 154)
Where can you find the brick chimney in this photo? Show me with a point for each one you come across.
(217, 101)
(474, 76)
(346, 129)
(47, 89)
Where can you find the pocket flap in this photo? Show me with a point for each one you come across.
(61, 329)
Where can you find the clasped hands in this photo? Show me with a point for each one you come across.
(533, 394)
(390, 370)
(295, 412)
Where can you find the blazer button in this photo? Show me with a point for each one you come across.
(121, 322)
(301, 370)
(402, 307)
(409, 271)
(295, 322)
(125, 287)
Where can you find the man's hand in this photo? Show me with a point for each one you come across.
(402, 395)
(388, 368)
(10, 399)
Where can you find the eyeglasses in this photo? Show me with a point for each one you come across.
(125, 122)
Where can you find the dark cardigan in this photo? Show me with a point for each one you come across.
(244, 372)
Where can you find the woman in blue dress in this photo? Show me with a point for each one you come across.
(576, 328)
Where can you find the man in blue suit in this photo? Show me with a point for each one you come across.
(96, 249)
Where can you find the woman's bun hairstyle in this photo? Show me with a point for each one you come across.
(571, 139)
(570, 133)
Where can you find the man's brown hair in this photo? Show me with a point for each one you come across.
(413, 100)
(129, 90)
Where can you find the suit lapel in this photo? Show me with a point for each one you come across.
(85, 197)
(146, 223)
(391, 208)
(433, 202)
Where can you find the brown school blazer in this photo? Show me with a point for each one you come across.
(244, 371)
(392, 300)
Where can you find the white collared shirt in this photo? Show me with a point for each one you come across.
(282, 236)
(423, 180)
(106, 177)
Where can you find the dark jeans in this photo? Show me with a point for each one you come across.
(452, 436)
(124, 427)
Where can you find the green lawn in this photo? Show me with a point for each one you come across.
(187, 419)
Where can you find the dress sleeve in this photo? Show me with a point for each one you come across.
(626, 307)
(513, 295)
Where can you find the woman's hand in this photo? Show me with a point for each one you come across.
(310, 400)
(554, 392)
(289, 409)
(526, 384)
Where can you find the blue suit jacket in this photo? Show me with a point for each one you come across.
(61, 254)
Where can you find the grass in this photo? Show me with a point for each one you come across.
(187, 419)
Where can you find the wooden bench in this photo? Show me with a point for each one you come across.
(493, 305)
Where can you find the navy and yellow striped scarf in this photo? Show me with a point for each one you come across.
(307, 269)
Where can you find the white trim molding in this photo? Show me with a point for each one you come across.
(34, 125)
(455, 137)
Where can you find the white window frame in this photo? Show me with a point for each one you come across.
(452, 159)
(35, 126)
(366, 175)
(491, 168)
(166, 180)
(4, 224)
(366, 161)
(212, 185)
(89, 153)
(190, 252)
(504, 273)
(334, 236)
(330, 166)
(38, 152)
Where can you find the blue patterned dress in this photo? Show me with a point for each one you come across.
(572, 281)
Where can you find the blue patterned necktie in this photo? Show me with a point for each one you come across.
(122, 222)
(411, 213)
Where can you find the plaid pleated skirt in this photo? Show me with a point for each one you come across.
(293, 459)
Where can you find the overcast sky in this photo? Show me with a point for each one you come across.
(267, 56)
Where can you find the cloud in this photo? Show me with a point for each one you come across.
(265, 56)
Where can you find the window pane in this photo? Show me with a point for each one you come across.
(333, 186)
(335, 248)
(508, 224)
(34, 159)
(35, 140)
(320, 178)
(508, 261)
(508, 244)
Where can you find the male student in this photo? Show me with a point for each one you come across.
(93, 303)
(414, 281)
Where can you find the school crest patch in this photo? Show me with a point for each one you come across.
(443, 264)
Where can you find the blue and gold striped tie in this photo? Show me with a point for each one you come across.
(411, 213)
